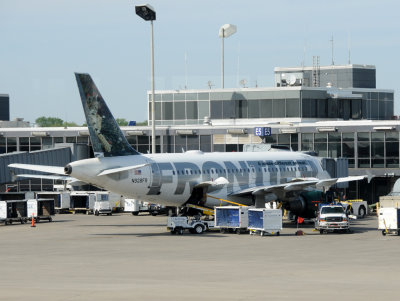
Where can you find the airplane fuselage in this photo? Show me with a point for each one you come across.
(169, 179)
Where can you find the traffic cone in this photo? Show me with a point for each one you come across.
(33, 220)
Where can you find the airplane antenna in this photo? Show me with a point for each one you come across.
(331, 40)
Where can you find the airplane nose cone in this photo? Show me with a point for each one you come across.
(68, 169)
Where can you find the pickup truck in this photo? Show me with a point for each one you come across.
(332, 218)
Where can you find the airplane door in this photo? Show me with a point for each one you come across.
(155, 175)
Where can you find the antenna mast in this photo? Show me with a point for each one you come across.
(331, 40)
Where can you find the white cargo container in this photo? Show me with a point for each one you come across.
(389, 220)
(40, 209)
(13, 211)
(264, 220)
(62, 200)
(232, 218)
(82, 201)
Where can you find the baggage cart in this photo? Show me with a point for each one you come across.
(82, 201)
(13, 211)
(195, 225)
(232, 218)
(265, 221)
(62, 200)
(41, 209)
(389, 220)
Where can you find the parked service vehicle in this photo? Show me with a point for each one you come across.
(102, 204)
(195, 225)
(358, 208)
(389, 220)
(135, 206)
(332, 218)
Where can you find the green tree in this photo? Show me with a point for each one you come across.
(121, 121)
(143, 123)
(49, 122)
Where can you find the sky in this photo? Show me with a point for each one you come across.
(43, 42)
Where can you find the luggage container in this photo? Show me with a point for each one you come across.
(82, 201)
(265, 221)
(232, 218)
(389, 221)
(62, 200)
(13, 211)
(41, 209)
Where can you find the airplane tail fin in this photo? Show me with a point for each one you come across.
(106, 136)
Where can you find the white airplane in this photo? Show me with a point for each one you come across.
(193, 177)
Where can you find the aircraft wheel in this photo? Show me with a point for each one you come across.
(384, 232)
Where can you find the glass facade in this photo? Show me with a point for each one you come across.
(179, 108)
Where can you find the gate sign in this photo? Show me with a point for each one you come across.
(262, 131)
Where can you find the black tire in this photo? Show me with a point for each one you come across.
(362, 211)
(222, 230)
(5, 223)
(198, 229)
(154, 213)
(96, 213)
(321, 231)
(135, 213)
(384, 232)
(22, 221)
(180, 231)
(110, 214)
(173, 232)
(238, 231)
(50, 219)
(278, 233)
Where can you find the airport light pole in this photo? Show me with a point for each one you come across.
(147, 13)
(224, 32)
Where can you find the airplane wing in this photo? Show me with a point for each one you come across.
(119, 169)
(59, 170)
(50, 177)
(296, 185)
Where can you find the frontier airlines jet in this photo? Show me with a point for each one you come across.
(193, 177)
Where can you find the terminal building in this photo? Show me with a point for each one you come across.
(336, 111)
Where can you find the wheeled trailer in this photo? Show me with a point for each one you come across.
(389, 220)
(13, 211)
(41, 209)
(232, 219)
(265, 221)
(195, 225)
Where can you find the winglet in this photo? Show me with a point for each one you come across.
(106, 136)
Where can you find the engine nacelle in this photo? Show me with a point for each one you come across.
(306, 204)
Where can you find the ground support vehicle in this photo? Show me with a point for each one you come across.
(102, 205)
(265, 221)
(332, 218)
(389, 220)
(41, 209)
(358, 208)
(13, 211)
(232, 218)
(62, 200)
(195, 225)
(82, 201)
(135, 206)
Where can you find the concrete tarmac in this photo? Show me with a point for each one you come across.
(125, 257)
